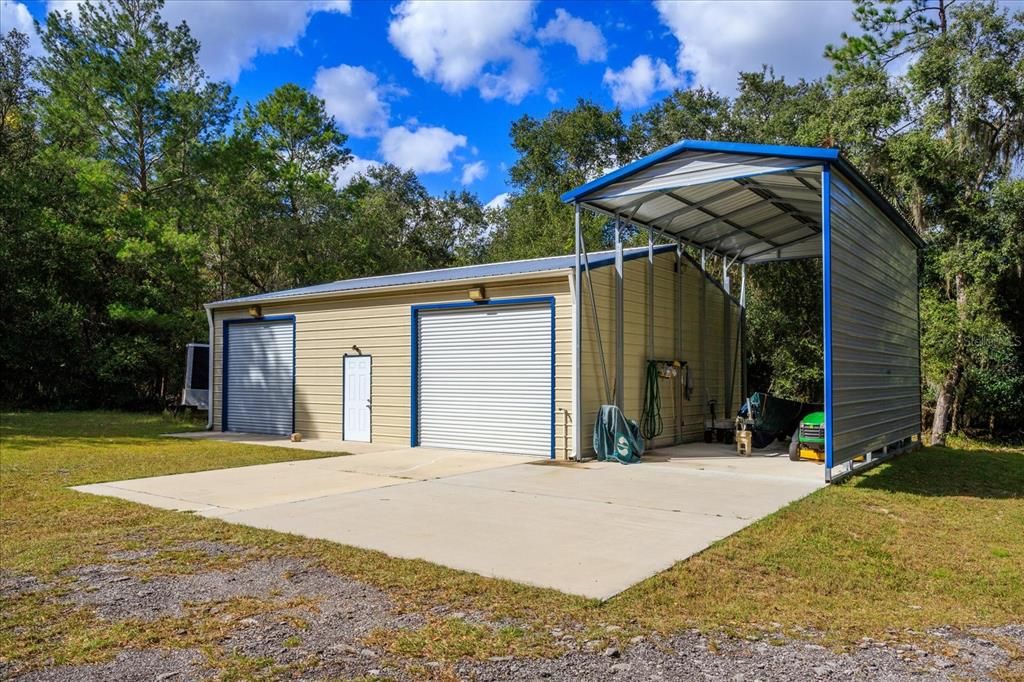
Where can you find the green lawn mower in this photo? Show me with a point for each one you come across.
(808, 440)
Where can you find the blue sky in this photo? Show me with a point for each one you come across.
(434, 86)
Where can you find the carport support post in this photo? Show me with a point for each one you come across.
(680, 391)
(743, 332)
(620, 358)
(650, 293)
(577, 343)
(826, 295)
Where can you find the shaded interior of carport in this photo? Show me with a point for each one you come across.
(745, 204)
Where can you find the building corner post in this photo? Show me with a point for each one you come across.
(826, 293)
(744, 394)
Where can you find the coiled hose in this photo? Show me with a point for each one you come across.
(651, 424)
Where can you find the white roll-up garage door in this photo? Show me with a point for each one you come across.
(259, 361)
(485, 378)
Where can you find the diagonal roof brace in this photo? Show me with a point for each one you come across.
(777, 201)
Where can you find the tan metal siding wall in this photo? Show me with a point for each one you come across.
(635, 349)
(380, 326)
(710, 353)
(875, 361)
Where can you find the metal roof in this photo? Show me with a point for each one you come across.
(516, 267)
(750, 202)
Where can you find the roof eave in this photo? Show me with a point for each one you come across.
(384, 289)
(816, 154)
(821, 154)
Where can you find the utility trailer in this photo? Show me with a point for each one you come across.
(196, 393)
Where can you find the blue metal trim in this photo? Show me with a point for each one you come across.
(224, 361)
(414, 311)
(552, 377)
(783, 151)
(826, 268)
(816, 154)
(414, 383)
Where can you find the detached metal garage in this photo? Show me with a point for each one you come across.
(516, 357)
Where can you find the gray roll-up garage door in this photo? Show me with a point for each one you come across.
(259, 362)
(485, 378)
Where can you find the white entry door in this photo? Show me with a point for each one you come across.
(356, 404)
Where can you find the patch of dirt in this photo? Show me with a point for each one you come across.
(117, 594)
(134, 665)
(12, 584)
(322, 637)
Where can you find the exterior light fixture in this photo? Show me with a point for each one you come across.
(255, 311)
(477, 294)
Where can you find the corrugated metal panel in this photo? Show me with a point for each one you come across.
(875, 360)
(260, 376)
(702, 344)
(484, 378)
(695, 168)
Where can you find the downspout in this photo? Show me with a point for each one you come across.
(209, 376)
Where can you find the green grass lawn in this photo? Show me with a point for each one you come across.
(933, 538)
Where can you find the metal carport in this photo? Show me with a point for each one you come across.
(752, 203)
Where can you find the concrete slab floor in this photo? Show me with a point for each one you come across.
(591, 529)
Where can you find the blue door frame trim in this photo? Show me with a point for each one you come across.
(414, 417)
(826, 268)
(224, 362)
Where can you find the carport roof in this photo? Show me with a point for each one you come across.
(516, 267)
(750, 202)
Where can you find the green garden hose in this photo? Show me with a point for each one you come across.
(651, 424)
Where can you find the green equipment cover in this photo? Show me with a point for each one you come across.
(617, 438)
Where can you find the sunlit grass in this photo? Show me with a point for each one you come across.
(933, 538)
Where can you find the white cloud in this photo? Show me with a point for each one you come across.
(582, 35)
(552, 95)
(466, 44)
(719, 38)
(500, 201)
(355, 98)
(232, 33)
(471, 172)
(424, 150)
(347, 173)
(15, 15)
(633, 86)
